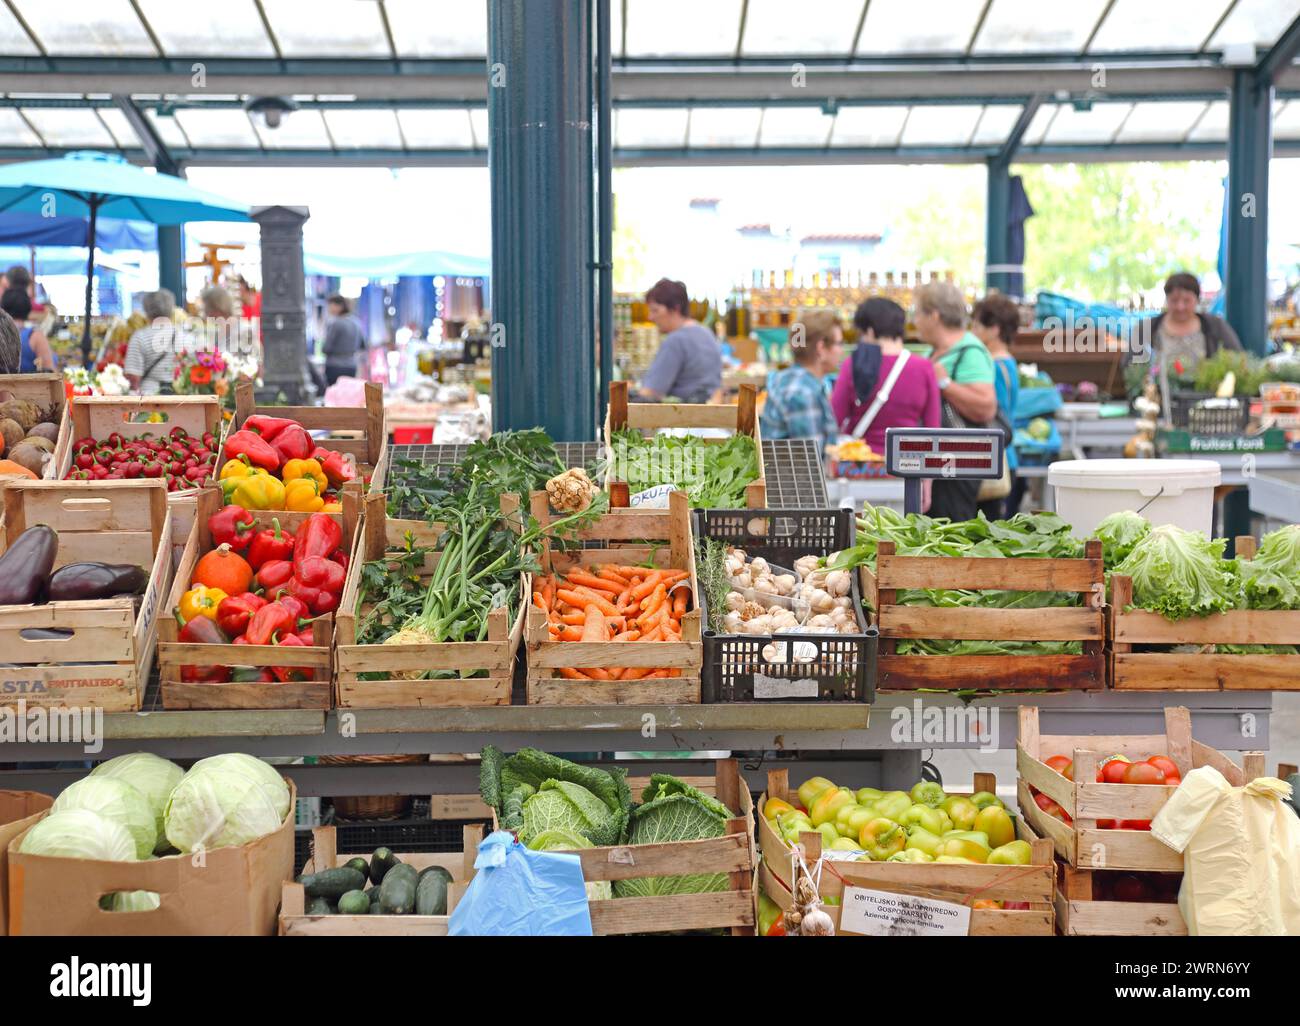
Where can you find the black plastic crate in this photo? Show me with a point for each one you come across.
(1203, 414)
(824, 667)
(430, 836)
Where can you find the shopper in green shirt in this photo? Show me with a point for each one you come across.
(964, 371)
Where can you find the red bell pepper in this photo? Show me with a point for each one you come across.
(338, 467)
(291, 673)
(319, 572)
(274, 574)
(301, 613)
(267, 621)
(293, 443)
(268, 427)
(318, 535)
(318, 600)
(252, 675)
(236, 611)
(341, 558)
(269, 545)
(202, 630)
(233, 526)
(306, 636)
(260, 452)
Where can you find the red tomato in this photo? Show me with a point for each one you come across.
(1128, 887)
(1113, 772)
(1173, 781)
(1105, 824)
(1135, 824)
(1018, 906)
(1166, 764)
(1143, 773)
(1059, 763)
(1050, 807)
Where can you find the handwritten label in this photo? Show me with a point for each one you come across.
(652, 498)
(882, 914)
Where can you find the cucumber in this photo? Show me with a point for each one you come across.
(332, 883)
(359, 864)
(397, 892)
(354, 903)
(376, 909)
(320, 907)
(431, 892)
(381, 862)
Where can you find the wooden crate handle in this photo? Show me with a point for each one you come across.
(1245, 546)
(1027, 716)
(619, 495)
(244, 402)
(778, 784)
(617, 405)
(324, 848)
(1252, 766)
(727, 779)
(746, 410)
(1285, 769)
(1178, 729)
(985, 782)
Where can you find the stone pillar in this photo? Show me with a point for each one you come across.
(284, 304)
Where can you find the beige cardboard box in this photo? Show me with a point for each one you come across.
(18, 811)
(232, 891)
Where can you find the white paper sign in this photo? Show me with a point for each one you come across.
(882, 914)
(783, 687)
(652, 498)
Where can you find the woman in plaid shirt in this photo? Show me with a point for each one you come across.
(797, 405)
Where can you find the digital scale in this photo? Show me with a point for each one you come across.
(919, 454)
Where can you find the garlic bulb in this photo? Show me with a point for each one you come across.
(751, 609)
(732, 623)
(805, 565)
(838, 582)
(822, 622)
(735, 601)
(742, 580)
(816, 923)
(766, 585)
(758, 565)
(786, 583)
(759, 625)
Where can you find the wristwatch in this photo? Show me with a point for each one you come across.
(945, 383)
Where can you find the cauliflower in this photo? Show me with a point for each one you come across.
(571, 492)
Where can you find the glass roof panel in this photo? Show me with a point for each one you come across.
(995, 124)
(725, 126)
(358, 129)
(941, 125)
(436, 129)
(1161, 122)
(299, 130)
(1286, 125)
(1256, 21)
(222, 127)
(643, 127)
(868, 126)
(119, 126)
(1097, 125)
(772, 27)
(69, 126)
(168, 130)
(1213, 126)
(795, 126)
(1158, 25)
(327, 28)
(1021, 26)
(231, 27)
(1039, 125)
(478, 120)
(15, 129)
(88, 27)
(616, 28)
(13, 40)
(919, 26)
(665, 28)
(439, 28)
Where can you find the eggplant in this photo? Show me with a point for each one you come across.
(79, 582)
(25, 566)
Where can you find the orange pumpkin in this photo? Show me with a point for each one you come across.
(224, 568)
(8, 468)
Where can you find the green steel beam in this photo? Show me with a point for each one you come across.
(997, 205)
(1250, 145)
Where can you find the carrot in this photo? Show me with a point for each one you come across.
(594, 628)
(671, 577)
(627, 636)
(568, 633)
(581, 600)
(624, 597)
(609, 573)
(569, 673)
(595, 673)
(679, 602)
(655, 599)
(634, 673)
(598, 584)
(659, 616)
(654, 634)
(643, 590)
(539, 600)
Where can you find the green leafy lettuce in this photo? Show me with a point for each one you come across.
(1180, 574)
(533, 791)
(1119, 532)
(714, 473)
(671, 810)
(1272, 579)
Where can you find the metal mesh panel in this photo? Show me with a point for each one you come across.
(792, 468)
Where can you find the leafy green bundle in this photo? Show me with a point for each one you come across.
(715, 474)
(1181, 573)
(1119, 532)
(1272, 579)
(534, 792)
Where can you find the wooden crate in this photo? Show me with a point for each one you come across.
(647, 418)
(295, 922)
(172, 654)
(106, 661)
(957, 883)
(358, 431)
(1079, 914)
(544, 684)
(1086, 623)
(45, 390)
(496, 655)
(1081, 843)
(1200, 671)
(733, 853)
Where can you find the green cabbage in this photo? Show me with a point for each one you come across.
(1119, 532)
(563, 805)
(524, 789)
(564, 840)
(152, 776)
(1272, 579)
(116, 800)
(79, 834)
(1180, 574)
(224, 800)
(674, 811)
(130, 901)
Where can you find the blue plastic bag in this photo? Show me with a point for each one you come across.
(517, 892)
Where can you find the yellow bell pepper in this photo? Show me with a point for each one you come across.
(302, 495)
(332, 507)
(257, 491)
(201, 601)
(308, 468)
(240, 467)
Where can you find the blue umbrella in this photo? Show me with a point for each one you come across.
(86, 183)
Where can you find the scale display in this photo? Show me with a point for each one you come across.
(944, 452)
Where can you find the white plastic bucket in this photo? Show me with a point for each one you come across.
(1177, 492)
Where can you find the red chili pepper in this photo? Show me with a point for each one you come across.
(235, 612)
(271, 618)
(293, 443)
(268, 427)
(338, 468)
(269, 544)
(291, 673)
(178, 433)
(319, 572)
(260, 453)
(274, 574)
(318, 535)
(232, 525)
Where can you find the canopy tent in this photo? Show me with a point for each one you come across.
(398, 265)
(25, 229)
(51, 260)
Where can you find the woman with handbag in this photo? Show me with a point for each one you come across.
(964, 371)
(995, 321)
